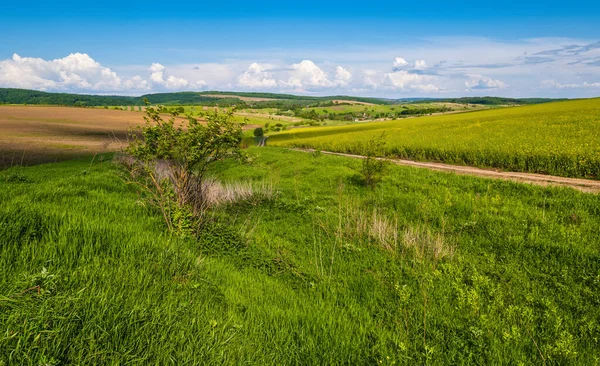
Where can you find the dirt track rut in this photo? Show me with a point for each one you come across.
(584, 185)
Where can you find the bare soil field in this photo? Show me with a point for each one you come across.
(37, 134)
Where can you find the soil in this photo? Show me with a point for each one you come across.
(38, 134)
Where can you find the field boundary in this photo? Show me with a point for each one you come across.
(583, 185)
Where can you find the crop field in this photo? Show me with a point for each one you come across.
(33, 134)
(430, 268)
(561, 138)
(37, 134)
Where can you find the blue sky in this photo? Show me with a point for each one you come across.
(437, 49)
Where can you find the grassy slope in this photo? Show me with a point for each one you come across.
(560, 138)
(118, 290)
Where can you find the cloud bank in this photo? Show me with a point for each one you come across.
(446, 67)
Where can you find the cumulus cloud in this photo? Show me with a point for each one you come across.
(301, 76)
(76, 72)
(307, 75)
(342, 76)
(256, 77)
(173, 83)
(156, 73)
(400, 63)
(404, 80)
(483, 82)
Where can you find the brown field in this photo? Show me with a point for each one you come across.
(36, 134)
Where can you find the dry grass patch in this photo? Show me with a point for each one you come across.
(426, 244)
(377, 228)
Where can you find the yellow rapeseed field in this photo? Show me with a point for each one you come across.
(561, 138)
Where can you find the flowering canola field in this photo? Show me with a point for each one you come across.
(561, 138)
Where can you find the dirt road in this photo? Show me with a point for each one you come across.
(584, 185)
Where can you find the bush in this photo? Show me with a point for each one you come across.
(259, 132)
(171, 163)
(373, 167)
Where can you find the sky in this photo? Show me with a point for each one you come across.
(379, 49)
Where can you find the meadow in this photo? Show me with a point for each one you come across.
(391, 108)
(429, 268)
(560, 138)
(333, 113)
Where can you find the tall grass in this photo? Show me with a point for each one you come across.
(483, 272)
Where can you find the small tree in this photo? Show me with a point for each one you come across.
(171, 162)
(373, 167)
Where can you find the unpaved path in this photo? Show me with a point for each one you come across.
(584, 185)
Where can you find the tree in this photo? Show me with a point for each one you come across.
(171, 162)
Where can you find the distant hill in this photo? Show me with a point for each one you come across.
(223, 99)
(301, 97)
(23, 96)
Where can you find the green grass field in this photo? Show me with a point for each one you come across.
(561, 138)
(430, 268)
(343, 114)
(393, 108)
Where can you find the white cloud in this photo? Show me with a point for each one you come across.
(256, 77)
(483, 82)
(405, 77)
(447, 66)
(307, 74)
(420, 65)
(136, 82)
(400, 63)
(76, 72)
(302, 76)
(372, 78)
(156, 73)
(404, 80)
(342, 76)
(172, 82)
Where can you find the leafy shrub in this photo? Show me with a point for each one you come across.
(259, 132)
(373, 167)
(171, 163)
